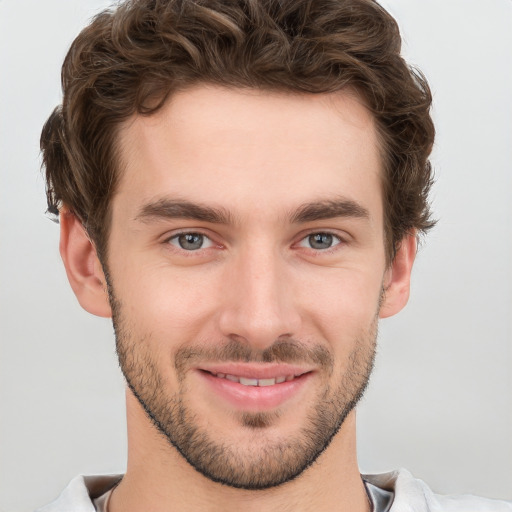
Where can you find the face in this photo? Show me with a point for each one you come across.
(246, 265)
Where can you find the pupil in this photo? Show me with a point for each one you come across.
(320, 241)
(190, 241)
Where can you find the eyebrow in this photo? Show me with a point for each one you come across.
(179, 209)
(166, 208)
(329, 209)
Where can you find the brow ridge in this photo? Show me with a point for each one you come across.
(329, 209)
(182, 209)
(166, 208)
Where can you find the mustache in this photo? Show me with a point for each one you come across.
(281, 351)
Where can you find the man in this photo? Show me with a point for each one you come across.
(240, 185)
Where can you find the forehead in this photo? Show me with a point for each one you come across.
(249, 149)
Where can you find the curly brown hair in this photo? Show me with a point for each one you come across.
(129, 60)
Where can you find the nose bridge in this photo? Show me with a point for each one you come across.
(258, 305)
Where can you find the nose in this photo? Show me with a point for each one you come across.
(258, 303)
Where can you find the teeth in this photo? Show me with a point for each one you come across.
(248, 382)
(255, 382)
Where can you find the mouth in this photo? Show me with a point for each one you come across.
(255, 388)
(254, 381)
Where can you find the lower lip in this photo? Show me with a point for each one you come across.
(255, 398)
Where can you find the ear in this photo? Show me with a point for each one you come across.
(397, 279)
(83, 268)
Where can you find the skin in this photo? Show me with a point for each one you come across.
(258, 157)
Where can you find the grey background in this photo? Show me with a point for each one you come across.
(440, 399)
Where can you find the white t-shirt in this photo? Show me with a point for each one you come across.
(379, 499)
(410, 495)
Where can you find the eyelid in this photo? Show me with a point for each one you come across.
(302, 237)
(207, 241)
(321, 233)
(342, 239)
(174, 235)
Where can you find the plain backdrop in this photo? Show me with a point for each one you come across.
(440, 401)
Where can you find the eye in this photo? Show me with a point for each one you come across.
(191, 241)
(320, 241)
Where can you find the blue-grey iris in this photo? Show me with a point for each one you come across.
(191, 241)
(320, 240)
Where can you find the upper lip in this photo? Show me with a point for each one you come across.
(256, 370)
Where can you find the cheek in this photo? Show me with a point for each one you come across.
(167, 301)
(345, 307)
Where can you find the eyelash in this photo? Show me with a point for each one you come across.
(192, 232)
(337, 240)
(317, 252)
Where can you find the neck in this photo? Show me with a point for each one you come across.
(159, 479)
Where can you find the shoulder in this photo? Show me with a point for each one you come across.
(412, 494)
(78, 495)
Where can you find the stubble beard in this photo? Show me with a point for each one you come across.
(273, 462)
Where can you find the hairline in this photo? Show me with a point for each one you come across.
(120, 163)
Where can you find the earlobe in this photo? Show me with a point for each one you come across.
(83, 268)
(397, 279)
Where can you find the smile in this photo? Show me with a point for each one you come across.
(255, 387)
(248, 381)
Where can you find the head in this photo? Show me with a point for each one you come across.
(217, 156)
